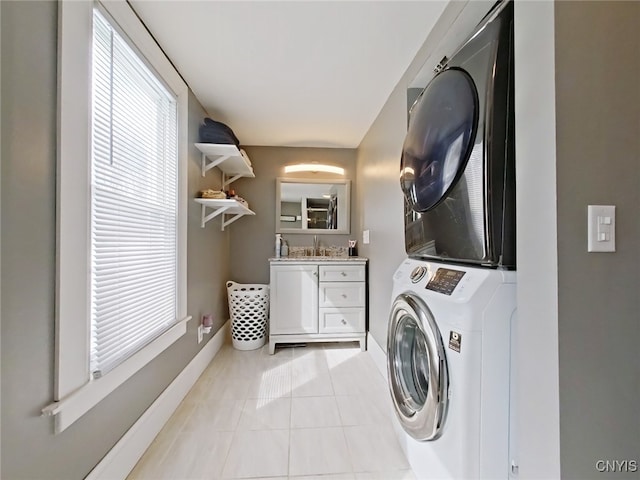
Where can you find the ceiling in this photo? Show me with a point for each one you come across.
(291, 73)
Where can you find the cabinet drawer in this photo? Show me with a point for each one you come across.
(342, 273)
(341, 320)
(341, 294)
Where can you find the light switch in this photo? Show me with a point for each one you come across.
(365, 237)
(601, 235)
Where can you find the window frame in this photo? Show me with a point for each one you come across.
(74, 390)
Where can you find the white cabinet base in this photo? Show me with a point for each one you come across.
(317, 337)
(317, 301)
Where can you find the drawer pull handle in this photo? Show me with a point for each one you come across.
(344, 295)
(344, 322)
(343, 274)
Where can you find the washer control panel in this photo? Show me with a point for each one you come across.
(445, 280)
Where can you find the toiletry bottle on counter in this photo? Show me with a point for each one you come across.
(353, 249)
(278, 245)
(284, 250)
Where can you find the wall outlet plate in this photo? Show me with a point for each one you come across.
(200, 333)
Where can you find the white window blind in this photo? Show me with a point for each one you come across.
(134, 202)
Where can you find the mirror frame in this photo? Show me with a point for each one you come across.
(315, 231)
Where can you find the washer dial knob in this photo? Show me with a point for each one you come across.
(417, 274)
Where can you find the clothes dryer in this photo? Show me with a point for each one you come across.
(458, 163)
(448, 364)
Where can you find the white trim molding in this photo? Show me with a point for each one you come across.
(121, 459)
(537, 423)
(74, 390)
(68, 409)
(378, 354)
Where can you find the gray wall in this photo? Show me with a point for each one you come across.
(29, 447)
(380, 202)
(253, 237)
(598, 162)
(208, 248)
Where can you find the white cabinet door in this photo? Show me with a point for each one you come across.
(294, 299)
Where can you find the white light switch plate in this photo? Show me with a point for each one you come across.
(365, 237)
(601, 235)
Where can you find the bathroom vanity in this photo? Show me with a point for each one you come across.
(317, 299)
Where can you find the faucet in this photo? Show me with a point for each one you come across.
(315, 245)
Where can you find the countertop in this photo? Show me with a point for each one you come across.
(318, 259)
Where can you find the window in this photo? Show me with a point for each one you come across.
(121, 204)
(133, 202)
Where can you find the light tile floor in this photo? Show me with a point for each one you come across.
(320, 412)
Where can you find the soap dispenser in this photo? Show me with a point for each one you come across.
(284, 250)
(278, 245)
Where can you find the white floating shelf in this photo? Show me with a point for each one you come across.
(233, 162)
(223, 206)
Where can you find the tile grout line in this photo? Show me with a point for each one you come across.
(233, 437)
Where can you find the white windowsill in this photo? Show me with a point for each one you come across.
(76, 404)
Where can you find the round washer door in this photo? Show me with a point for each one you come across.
(443, 124)
(417, 368)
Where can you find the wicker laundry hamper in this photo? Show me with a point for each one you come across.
(249, 310)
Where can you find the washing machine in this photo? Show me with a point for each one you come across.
(449, 368)
(457, 167)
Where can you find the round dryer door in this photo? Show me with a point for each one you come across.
(442, 128)
(417, 368)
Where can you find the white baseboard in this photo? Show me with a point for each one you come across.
(378, 355)
(121, 459)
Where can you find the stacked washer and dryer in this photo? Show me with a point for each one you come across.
(454, 298)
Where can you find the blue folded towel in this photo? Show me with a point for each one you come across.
(212, 131)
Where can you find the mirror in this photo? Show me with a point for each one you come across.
(312, 206)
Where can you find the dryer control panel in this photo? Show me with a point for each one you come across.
(445, 280)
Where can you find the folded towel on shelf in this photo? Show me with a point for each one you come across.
(209, 193)
(212, 131)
